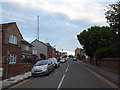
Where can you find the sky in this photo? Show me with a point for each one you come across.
(60, 21)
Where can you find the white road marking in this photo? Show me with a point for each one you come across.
(68, 65)
(56, 72)
(66, 69)
(46, 77)
(61, 82)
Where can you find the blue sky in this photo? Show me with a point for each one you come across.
(60, 20)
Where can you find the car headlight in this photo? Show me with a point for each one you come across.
(32, 69)
(44, 69)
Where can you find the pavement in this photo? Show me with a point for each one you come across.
(72, 74)
(112, 76)
(14, 80)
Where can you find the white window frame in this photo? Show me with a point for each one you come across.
(34, 52)
(12, 59)
(13, 39)
(27, 47)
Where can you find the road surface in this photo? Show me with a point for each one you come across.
(72, 74)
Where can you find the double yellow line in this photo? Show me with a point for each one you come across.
(102, 78)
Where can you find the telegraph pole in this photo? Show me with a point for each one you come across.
(37, 27)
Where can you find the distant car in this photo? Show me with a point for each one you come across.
(55, 62)
(42, 67)
(74, 59)
(62, 61)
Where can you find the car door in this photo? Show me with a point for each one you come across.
(50, 65)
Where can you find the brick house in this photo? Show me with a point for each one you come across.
(12, 46)
(58, 55)
(49, 50)
(78, 51)
(63, 53)
(52, 52)
(11, 42)
(26, 49)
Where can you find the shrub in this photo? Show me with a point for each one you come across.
(107, 52)
(27, 60)
(42, 56)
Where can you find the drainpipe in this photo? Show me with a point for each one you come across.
(7, 62)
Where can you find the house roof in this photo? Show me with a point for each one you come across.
(4, 26)
(48, 44)
(26, 42)
(38, 41)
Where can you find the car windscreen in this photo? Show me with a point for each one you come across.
(41, 63)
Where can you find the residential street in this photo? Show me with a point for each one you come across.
(72, 74)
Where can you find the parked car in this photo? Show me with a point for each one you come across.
(62, 61)
(55, 62)
(42, 67)
(74, 59)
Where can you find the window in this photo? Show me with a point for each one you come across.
(34, 52)
(13, 39)
(26, 47)
(12, 58)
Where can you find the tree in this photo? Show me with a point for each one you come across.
(78, 56)
(96, 37)
(65, 56)
(113, 17)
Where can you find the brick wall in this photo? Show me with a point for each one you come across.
(16, 69)
(13, 50)
(111, 63)
(12, 29)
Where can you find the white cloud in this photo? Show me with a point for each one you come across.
(74, 9)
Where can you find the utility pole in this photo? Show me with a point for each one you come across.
(37, 27)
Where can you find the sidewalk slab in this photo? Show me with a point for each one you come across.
(14, 80)
(112, 76)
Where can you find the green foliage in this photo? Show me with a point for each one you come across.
(42, 56)
(78, 56)
(113, 16)
(107, 52)
(71, 56)
(65, 56)
(96, 37)
(27, 60)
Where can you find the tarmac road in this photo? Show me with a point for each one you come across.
(71, 74)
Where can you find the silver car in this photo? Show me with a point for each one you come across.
(55, 62)
(62, 61)
(42, 67)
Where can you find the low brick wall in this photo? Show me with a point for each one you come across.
(16, 69)
(110, 63)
